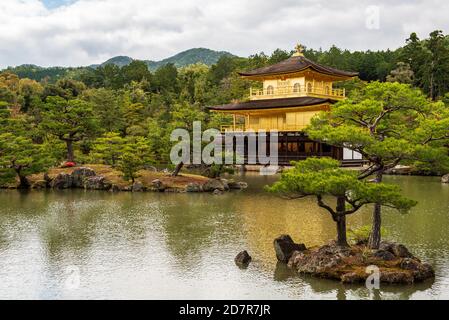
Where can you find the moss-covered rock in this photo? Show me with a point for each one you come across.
(396, 264)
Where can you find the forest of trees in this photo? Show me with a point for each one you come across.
(103, 114)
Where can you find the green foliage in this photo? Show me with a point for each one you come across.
(135, 155)
(362, 234)
(106, 108)
(129, 165)
(389, 124)
(402, 74)
(129, 155)
(69, 121)
(324, 177)
(20, 157)
(108, 149)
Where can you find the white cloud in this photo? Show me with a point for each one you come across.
(90, 31)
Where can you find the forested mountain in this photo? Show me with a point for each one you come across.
(182, 59)
(192, 56)
(119, 61)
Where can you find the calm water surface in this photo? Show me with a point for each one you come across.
(182, 246)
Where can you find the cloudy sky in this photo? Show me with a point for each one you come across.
(82, 32)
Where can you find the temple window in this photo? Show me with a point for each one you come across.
(309, 87)
(297, 88)
(327, 90)
(270, 90)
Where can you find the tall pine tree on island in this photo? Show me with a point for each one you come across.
(389, 124)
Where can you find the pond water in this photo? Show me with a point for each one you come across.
(99, 245)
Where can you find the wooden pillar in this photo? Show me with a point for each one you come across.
(234, 121)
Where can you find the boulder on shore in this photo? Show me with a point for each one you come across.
(97, 183)
(158, 185)
(284, 246)
(243, 259)
(214, 184)
(138, 187)
(62, 181)
(193, 187)
(40, 184)
(79, 175)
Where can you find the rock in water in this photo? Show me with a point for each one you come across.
(243, 259)
(445, 178)
(79, 175)
(284, 248)
(349, 265)
(237, 185)
(213, 184)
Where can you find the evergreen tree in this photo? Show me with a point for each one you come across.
(20, 157)
(389, 124)
(70, 121)
(324, 177)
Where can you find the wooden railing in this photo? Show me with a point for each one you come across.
(282, 127)
(291, 92)
(232, 128)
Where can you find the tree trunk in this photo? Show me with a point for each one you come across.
(177, 169)
(341, 232)
(70, 155)
(375, 235)
(341, 223)
(23, 181)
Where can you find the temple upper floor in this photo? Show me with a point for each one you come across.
(296, 87)
(290, 93)
(297, 76)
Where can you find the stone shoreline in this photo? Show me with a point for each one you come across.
(101, 177)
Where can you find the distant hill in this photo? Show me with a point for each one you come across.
(192, 56)
(185, 58)
(32, 71)
(182, 59)
(120, 61)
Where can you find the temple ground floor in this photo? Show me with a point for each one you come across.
(293, 146)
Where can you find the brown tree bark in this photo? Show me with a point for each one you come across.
(24, 183)
(341, 223)
(375, 235)
(177, 169)
(70, 153)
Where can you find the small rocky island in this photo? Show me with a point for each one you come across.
(103, 177)
(348, 264)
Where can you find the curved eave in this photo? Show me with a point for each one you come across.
(272, 104)
(260, 76)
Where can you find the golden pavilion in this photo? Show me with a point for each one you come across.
(292, 92)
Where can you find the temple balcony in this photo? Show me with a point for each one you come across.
(255, 128)
(296, 91)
